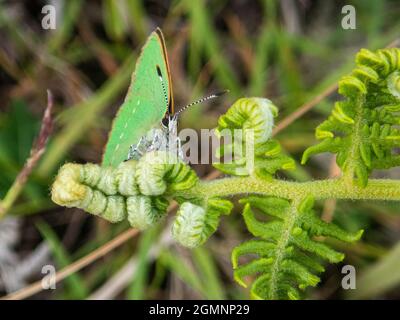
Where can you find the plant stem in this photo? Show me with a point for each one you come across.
(36, 153)
(356, 136)
(281, 245)
(377, 189)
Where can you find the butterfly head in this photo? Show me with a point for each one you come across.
(170, 114)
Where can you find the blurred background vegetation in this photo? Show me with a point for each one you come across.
(289, 51)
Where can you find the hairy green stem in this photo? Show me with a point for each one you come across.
(377, 189)
(349, 167)
(280, 249)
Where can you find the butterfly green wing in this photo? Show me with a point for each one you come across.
(145, 104)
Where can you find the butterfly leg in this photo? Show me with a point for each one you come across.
(136, 150)
(158, 141)
(174, 145)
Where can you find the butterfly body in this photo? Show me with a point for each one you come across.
(162, 138)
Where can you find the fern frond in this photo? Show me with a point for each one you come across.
(135, 190)
(287, 253)
(249, 124)
(362, 129)
(194, 224)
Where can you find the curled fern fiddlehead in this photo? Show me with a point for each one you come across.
(95, 189)
(255, 116)
(138, 192)
(362, 128)
(194, 224)
(158, 171)
(286, 250)
(133, 191)
(144, 211)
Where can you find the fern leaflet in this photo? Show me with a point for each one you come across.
(287, 254)
(361, 129)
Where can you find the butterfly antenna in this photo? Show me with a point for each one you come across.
(201, 100)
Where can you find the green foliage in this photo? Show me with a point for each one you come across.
(16, 136)
(133, 191)
(287, 253)
(75, 284)
(362, 129)
(214, 44)
(195, 224)
(18, 127)
(288, 256)
(114, 21)
(183, 270)
(248, 124)
(208, 270)
(139, 192)
(137, 289)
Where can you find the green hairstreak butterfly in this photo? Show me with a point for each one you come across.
(148, 102)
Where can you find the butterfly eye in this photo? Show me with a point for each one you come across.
(165, 122)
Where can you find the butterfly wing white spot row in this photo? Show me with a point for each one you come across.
(137, 104)
(122, 134)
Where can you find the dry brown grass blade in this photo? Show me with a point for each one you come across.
(304, 108)
(36, 153)
(75, 266)
(83, 262)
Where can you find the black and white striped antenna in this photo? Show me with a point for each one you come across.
(201, 100)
